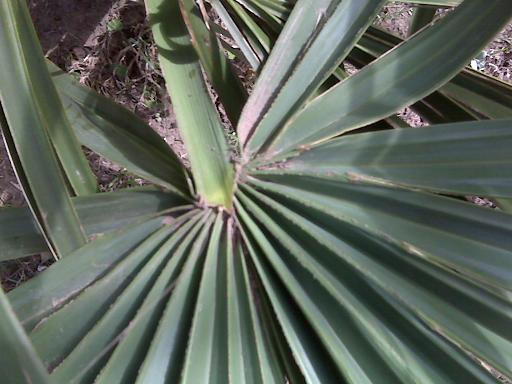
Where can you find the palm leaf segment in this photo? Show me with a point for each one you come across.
(335, 259)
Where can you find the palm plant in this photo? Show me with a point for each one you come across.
(337, 248)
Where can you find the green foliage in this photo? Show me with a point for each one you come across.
(115, 25)
(335, 246)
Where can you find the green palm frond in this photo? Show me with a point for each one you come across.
(338, 248)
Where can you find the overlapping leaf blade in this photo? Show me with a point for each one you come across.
(130, 353)
(98, 213)
(54, 343)
(422, 16)
(258, 39)
(316, 39)
(30, 100)
(481, 93)
(19, 362)
(488, 96)
(442, 158)
(118, 134)
(32, 119)
(439, 297)
(398, 79)
(62, 281)
(253, 58)
(436, 108)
